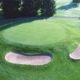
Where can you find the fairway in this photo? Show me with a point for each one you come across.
(41, 32)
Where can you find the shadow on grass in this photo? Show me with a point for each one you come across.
(37, 54)
(75, 61)
(69, 6)
(7, 23)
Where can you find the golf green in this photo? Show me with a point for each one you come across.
(40, 32)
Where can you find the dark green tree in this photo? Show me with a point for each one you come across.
(10, 8)
(28, 8)
(48, 8)
(0, 3)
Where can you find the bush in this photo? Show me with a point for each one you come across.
(48, 8)
(28, 8)
(10, 8)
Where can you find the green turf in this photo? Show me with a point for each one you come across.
(41, 32)
(60, 68)
(67, 8)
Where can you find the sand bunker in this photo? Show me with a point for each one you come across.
(17, 58)
(76, 54)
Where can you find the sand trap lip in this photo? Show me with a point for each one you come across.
(17, 58)
(76, 54)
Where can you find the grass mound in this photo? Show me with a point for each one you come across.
(41, 32)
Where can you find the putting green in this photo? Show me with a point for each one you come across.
(40, 32)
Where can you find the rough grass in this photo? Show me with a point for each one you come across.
(60, 68)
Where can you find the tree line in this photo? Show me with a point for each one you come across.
(27, 8)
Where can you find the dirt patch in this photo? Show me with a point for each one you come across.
(76, 54)
(17, 58)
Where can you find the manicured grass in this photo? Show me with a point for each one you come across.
(41, 32)
(60, 68)
(67, 8)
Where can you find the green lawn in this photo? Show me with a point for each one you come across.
(58, 37)
(67, 8)
(60, 68)
(33, 34)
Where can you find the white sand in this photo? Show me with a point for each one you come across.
(28, 60)
(76, 54)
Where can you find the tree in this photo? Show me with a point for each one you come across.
(48, 8)
(28, 8)
(10, 8)
(0, 3)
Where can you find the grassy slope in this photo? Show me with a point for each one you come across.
(61, 66)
